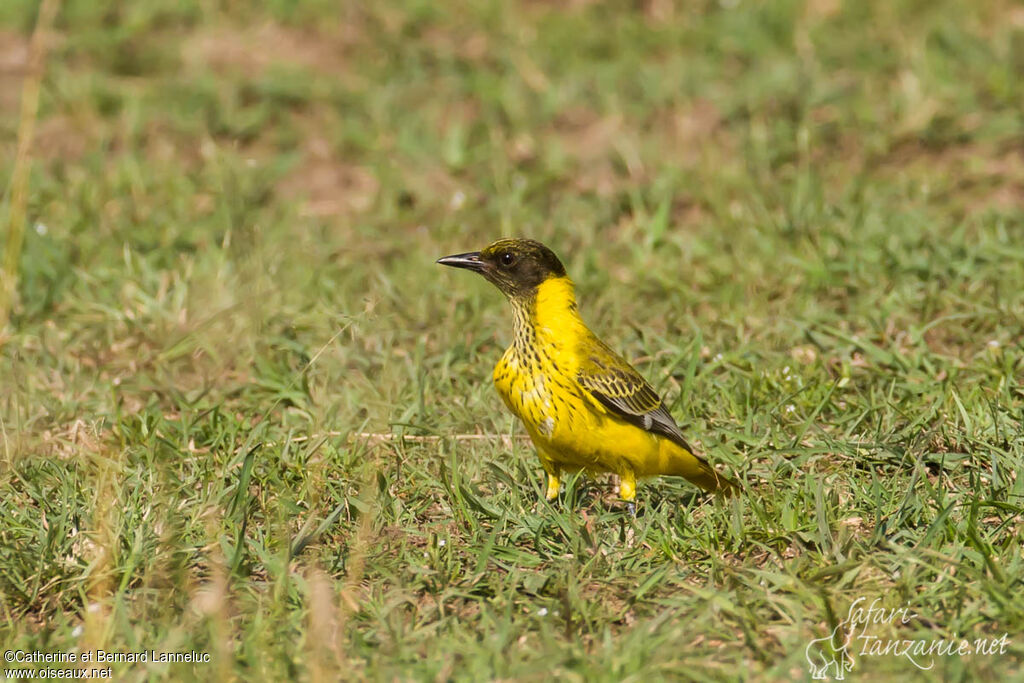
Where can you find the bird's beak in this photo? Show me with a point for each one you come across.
(470, 261)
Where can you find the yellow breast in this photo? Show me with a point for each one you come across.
(536, 378)
(569, 428)
(525, 387)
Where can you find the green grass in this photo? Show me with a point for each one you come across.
(802, 220)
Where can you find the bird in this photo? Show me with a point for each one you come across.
(583, 405)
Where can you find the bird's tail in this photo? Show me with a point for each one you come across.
(697, 470)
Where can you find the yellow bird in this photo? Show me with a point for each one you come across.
(583, 406)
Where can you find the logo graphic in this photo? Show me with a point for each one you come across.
(832, 657)
(823, 655)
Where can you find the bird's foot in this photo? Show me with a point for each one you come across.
(627, 489)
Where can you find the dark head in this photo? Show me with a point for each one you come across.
(516, 267)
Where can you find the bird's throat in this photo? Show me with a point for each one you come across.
(549, 316)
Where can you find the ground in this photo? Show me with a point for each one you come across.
(244, 413)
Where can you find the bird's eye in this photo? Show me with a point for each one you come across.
(508, 258)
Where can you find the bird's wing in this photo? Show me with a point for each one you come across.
(624, 392)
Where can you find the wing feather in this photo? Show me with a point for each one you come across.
(624, 392)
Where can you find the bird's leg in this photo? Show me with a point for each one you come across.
(627, 490)
(553, 485)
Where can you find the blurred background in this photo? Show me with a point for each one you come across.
(802, 220)
(211, 177)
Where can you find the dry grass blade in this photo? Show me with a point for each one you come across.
(378, 437)
(375, 438)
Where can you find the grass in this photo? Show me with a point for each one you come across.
(802, 220)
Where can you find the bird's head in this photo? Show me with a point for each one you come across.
(516, 267)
